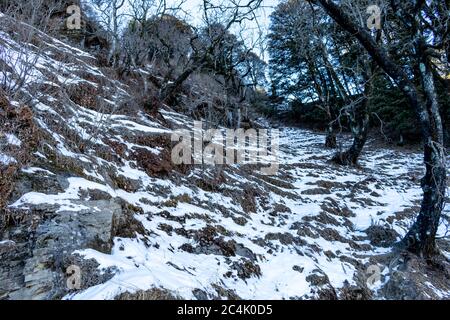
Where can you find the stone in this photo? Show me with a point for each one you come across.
(33, 263)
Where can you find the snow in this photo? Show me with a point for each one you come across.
(131, 125)
(65, 199)
(13, 140)
(7, 160)
(141, 267)
(33, 170)
(44, 108)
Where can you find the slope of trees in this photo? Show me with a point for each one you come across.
(301, 32)
(312, 61)
(180, 51)
(420, 29)
(323, 54)
(151, 46)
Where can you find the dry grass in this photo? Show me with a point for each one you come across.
(154, 165)
(17, 121)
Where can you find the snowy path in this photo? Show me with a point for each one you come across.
(307, 231)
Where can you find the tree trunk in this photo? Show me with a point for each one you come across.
(359, 119)
(330, 140)
(360, 128)
(421, 237)
(359, 124)
(168, 91)
(319, 83)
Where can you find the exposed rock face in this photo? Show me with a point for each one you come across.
(34, 260)
(413, 278)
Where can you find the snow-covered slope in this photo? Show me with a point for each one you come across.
(101, 170)
(306, 233)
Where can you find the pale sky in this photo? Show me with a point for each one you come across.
(193, 13)
(252, 29)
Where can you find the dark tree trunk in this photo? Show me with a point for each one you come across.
(168, 91)
(319, 83)
(359, 119)
(360, 127)
(359, 124)
(330, 140)
(421, 239)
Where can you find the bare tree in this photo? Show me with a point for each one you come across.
(214, 13)
(111, 16)
(20, 54)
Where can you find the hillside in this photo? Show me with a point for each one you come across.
(87, 181)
